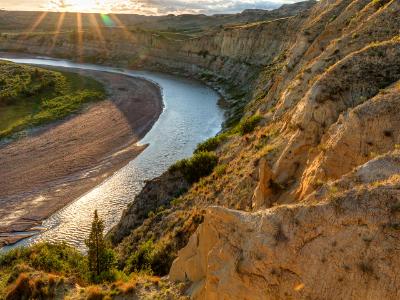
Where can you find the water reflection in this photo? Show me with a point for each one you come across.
(190, 116)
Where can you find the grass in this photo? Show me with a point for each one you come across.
(247, 125)
(52, 271)
(31, 96)
(212, 143)
(58, 259)
(201, 164)
(54, 258)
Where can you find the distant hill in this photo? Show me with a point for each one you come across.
(21, 21)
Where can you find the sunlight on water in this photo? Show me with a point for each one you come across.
(190, 116)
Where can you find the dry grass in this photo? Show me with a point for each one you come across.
(94, 293)
(34, 286)
(125, 288)
(22, 289)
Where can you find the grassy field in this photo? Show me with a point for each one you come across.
(31, 96)
(46, 271)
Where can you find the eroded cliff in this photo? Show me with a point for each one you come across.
(322, 222)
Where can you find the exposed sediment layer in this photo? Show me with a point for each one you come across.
(330, 228)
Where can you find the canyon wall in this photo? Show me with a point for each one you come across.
(322, 223)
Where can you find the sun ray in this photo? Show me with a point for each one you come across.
(59, 25)
(128, 34)
(38, 21)
(79, 36)
(97, 28)
(32, 28)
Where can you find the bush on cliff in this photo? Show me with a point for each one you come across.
(248, 125)
(211, 144)
(199, 165)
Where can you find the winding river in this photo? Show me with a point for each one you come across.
(190, 115)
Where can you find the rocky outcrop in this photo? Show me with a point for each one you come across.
(358, 136)
(264, 188)
(343, 247)
(156, 193)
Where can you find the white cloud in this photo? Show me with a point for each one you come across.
(145, 6)
(200, 6)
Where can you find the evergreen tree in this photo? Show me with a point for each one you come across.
(100, 256)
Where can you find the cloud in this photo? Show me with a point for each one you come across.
(205, 6)
(148, 7)
(198, 7)
(58, 4)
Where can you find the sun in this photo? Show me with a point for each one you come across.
(103, 6)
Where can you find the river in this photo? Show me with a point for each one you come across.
(190, 115)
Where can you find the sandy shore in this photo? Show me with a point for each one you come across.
(46, 170)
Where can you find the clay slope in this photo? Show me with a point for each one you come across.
(322, 222)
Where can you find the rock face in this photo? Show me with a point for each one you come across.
(341, 248)
(263, 189)
(156, 193)
(340, 243)
(332, 231)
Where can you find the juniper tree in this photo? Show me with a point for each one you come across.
(100, 257)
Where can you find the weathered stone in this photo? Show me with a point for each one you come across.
(263, 189)
(342, 248)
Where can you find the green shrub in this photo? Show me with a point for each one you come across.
(220, 169)
(142, 258)
(211, 144)
(203, 53)
(199, 165)
(151, 258)
(54, 258)
(248, 125)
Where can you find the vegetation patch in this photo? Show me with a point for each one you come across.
(248, 125)
(201, 164)
(39, 259)
(152, 255)
(212, 143)
(31, 96)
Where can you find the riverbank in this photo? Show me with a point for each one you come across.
(54, 165)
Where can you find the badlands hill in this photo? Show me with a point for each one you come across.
(15, 21)
(308, 202)
(305, 200)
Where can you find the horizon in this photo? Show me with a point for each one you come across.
(143, 7)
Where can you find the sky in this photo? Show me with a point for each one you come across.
(147, 7)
